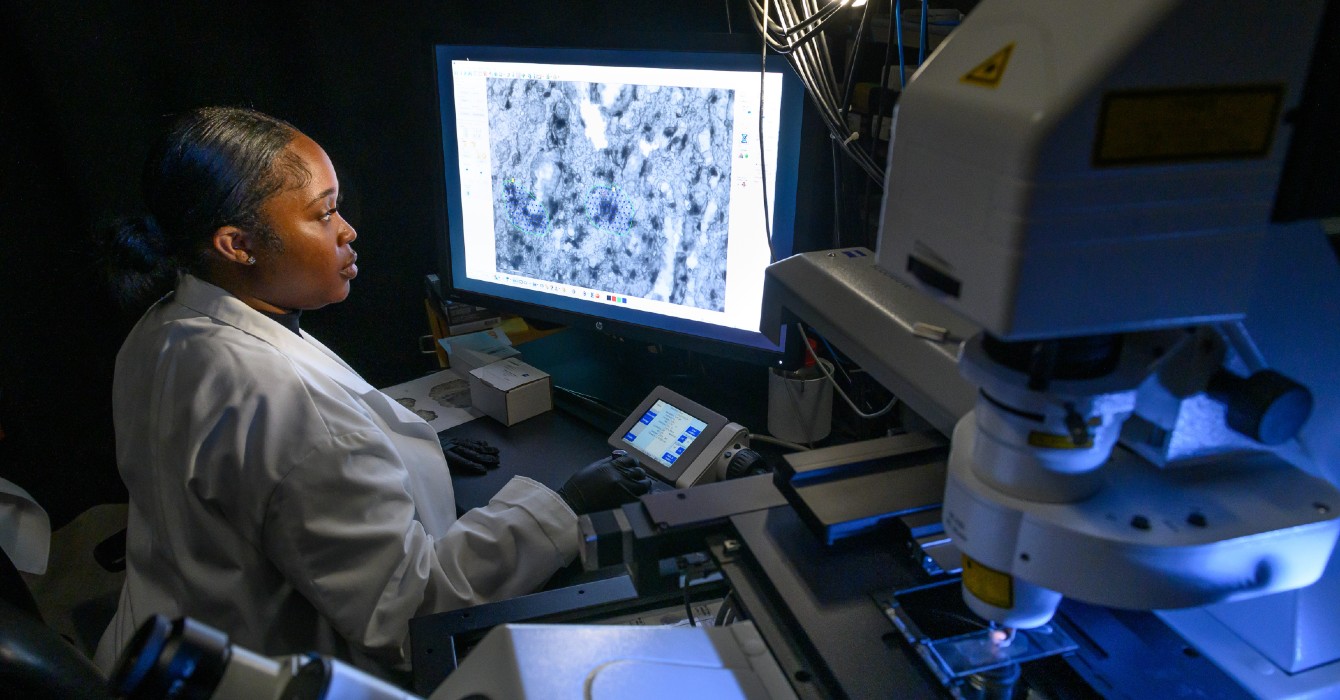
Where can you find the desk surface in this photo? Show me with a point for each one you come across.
(551, 446)
(547, 448)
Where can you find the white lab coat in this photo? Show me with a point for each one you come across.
(276, 495)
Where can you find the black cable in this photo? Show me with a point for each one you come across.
(852, 60)
(855, 56)
(726, 604)
(877, 121)
(895, 24)
(592, 402)
(688, 607)
(837, 193)
(864, 214)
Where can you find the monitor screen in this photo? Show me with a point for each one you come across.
(620, 190)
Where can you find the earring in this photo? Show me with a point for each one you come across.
(251, 260)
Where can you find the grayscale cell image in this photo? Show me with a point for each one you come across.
(455, 392)
(409, 403)
(621, 188)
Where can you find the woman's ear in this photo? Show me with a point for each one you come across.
(234, 244)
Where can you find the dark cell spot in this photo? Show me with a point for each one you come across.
(626, 150)
(616, 270)
(616, 113)
(515, 262)
(713, 98)
(697, 176)
(559, 123)
(507, 104)
(656, 223)
(547, 92)
(516, 158)
(714, 171)
(646, 128)
(669, 131)
(682, 279)
(695, 209)
(646, 168)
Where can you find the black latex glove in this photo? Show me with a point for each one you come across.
(465, 456)
(605, 484)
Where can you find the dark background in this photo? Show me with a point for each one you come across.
(86, 85)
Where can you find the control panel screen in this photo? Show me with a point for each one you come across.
(664, 432)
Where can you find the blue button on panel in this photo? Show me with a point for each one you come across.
(668, 458)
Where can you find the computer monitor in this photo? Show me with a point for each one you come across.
(620, 190)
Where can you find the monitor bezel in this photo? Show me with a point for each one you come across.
(724, 51)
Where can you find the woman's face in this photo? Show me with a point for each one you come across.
(315, 262)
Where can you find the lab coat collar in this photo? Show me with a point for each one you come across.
(218, 304)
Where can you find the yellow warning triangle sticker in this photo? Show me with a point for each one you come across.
(989, 72)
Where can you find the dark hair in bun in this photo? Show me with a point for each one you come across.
(214, 167)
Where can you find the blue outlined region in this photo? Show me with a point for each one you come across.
(523, 210)
(618, 187)
(610, 209)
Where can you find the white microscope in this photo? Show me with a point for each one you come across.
(1093, 184)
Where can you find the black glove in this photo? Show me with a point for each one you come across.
(465, 456)
(605, 484)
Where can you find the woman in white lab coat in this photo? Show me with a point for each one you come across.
(274, 494)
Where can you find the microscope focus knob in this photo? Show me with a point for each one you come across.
(744, 463)
(1267, 407)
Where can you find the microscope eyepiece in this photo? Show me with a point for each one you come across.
(171, 659)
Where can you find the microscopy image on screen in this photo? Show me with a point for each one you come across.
(619, 188)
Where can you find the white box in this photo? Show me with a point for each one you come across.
(510, 390)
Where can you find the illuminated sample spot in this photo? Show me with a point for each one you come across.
(610, 209)
(524, 211)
